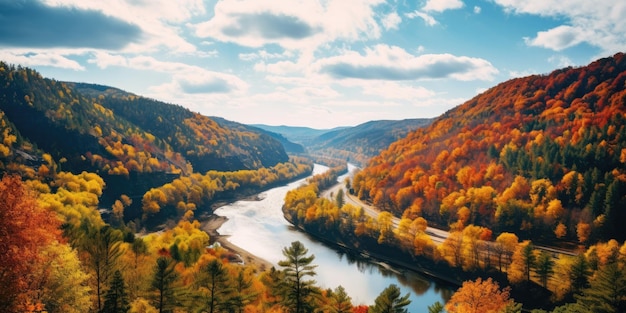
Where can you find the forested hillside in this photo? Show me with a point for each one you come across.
(206, 143)
(355, 144)
(118, 133)
(131, 142)
(541, 156)
(360, 143)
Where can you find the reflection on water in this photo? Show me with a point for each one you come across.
(259, 227)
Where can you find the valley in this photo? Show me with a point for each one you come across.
(519, 190)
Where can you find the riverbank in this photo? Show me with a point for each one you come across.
(211, 223)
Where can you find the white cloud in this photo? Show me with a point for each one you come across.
(51, 59)
(477, 9)
(442, 5)
(207, 54)
(391, 21)
(264, 55)
(304, 24)
(278, 68)
(185, 78)
(481, 90)
(524, 73)
(154, 17)
(384, 62)
(429, 20)
(390, 89)
(603, 22)
(561, 61)
(558, 38)
(104, 60)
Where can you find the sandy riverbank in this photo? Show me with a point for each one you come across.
(212, 223)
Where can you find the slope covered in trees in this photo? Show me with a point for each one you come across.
(208, 143)
(356, 144)
(541, 156)
(93, 129)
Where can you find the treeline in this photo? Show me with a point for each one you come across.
(186, 194)
(59, 256)
(360, 143)
(106, 130)
(540, 156)
(546, 277)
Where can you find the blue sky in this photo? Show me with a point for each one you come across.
(308, 63)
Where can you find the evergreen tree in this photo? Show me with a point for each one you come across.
(390, 301)
(215, 287)
(273, 280)
(339, 198)
(103, 248)
(606, 292)
(298, 291)
(243, 294)
(544, 268)
(116, 299)
(579, 273)
(436, 307)
(163, 282)
(528, 257)
(340, 301)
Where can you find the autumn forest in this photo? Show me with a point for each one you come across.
(516, 197)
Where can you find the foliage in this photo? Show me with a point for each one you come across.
(479, 296)
(390, 301)
(299, 292)
(214, 286)
(163, 282)
(188, 193)
(65, 283)
(26, 229)
(524, 157)
(116, 298)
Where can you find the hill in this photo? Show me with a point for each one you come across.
(356, 144)
(541, 156)
(290, 147)
(206, 143)
(298, 134)
(132, 142)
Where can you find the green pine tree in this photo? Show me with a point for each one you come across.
(606, 292)
(163, 282)
(215, 287)
(390, 301)
(298, 291)
(116, 299)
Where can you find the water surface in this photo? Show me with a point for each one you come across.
(260, 228)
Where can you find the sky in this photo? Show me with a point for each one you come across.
(315, 63)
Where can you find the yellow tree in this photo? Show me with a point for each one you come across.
(479, 297)
(451, 249)
(504, 247)
(385, 227)
(65, 284)
(472, 244)
(523, 262)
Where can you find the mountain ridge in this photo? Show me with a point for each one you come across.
(563, 132)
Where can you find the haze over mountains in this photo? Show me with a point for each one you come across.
(356, 144)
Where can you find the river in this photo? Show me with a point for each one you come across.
(260, 228)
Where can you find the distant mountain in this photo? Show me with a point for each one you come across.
(541, 156)
(298, 134)
(84, 127)
(356, 144)
(290, 147)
